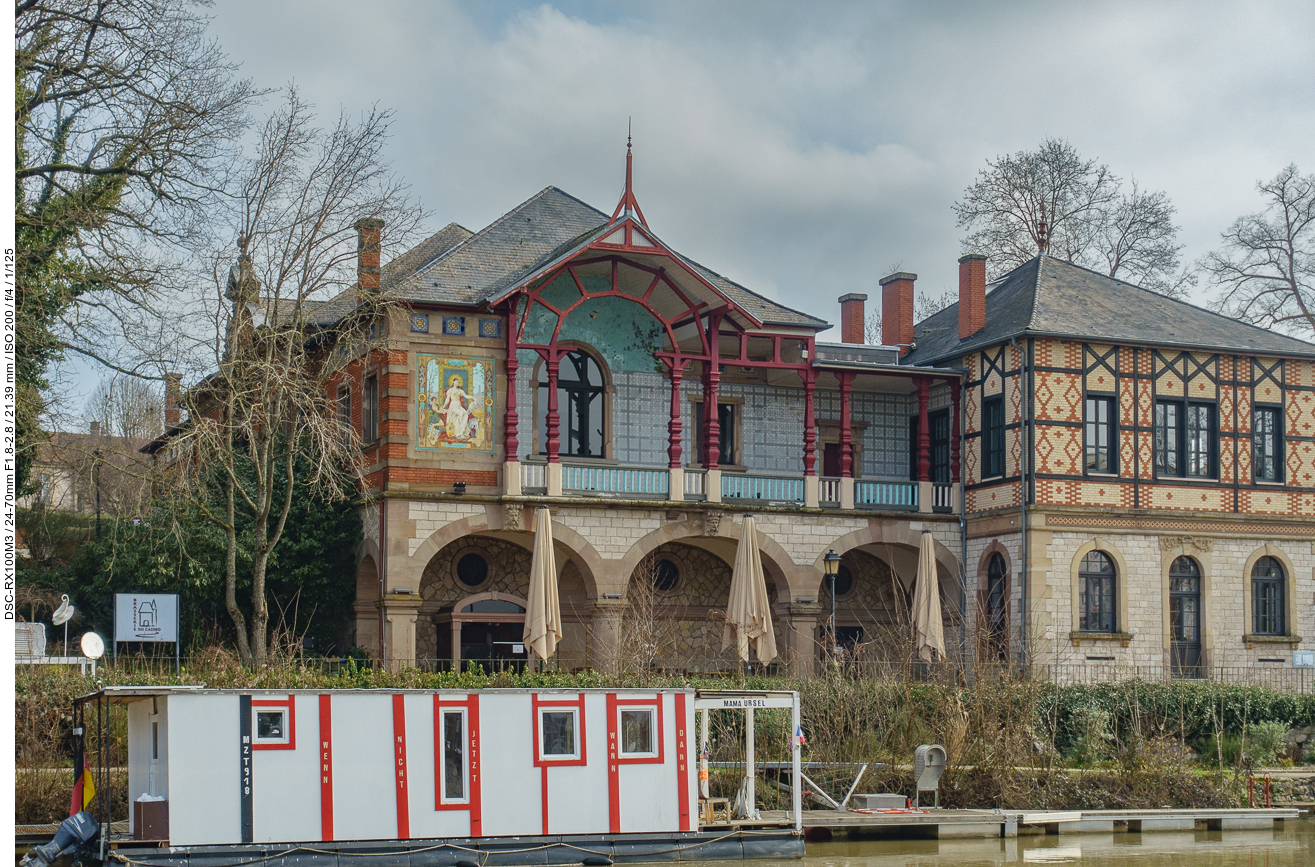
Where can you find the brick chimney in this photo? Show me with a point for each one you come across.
(897, 311)
(852, 326)
(173, 393)
(972, 294)
(368, 232)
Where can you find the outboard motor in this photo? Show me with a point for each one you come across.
(73, 832)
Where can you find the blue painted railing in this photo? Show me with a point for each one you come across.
(770, 488)
(895, 495)
(615, 480)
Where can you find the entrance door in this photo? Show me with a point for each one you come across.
(496, 646)
(1185, 618)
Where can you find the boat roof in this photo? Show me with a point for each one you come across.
(128, 694)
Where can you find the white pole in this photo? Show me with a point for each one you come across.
(750, 767)
(704, 791)
(796, 768)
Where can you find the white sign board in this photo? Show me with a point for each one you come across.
(146, 617)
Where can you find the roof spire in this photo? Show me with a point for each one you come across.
(628, 203)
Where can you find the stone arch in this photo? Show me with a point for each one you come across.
(566, 541)
(365, 609)
(1269, 549)
(1121, 581)
(778, 565)
(897, 535)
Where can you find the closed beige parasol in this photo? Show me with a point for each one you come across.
(927, 603)
(748, 614)
(543, 617)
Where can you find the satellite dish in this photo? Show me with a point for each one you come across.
(64, 613)
(93, 646)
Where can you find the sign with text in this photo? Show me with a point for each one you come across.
(146, 617)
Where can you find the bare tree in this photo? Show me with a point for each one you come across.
(1053, 201)
(263, 423)
(127, 407)
(1266, 267)
(126, 115)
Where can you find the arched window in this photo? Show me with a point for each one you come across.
(1185, 617)
(1268, 598)
(580, 398)
(1096, 577)
(997, 600)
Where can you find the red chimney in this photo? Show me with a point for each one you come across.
(368, 231)
(852, 327)
(173, 392)
(972, 294)
(897, 310)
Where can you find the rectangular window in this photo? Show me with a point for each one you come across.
(639, 732)
(1267, 444)
(727, 419)
(1185, 439)
(557, 730)
(345, 406)
(1101, 435)
(1267, 604)
(370, 409)
(993, 437)
(454, 756)
(1096, 603)
(939, 422)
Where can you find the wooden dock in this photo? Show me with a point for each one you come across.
(821, 825)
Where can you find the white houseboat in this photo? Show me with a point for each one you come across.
(516, 776)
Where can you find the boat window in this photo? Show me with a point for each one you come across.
(272, 725)
(557, 728)
(638, 732)
(454, 756)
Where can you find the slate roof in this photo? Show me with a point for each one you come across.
(529, 236)
(1050, 297)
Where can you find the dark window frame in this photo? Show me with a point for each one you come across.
(1274, 451)
(577, 399)
(1269, 597)
(1175, 440)
(1092, 428)
(729, 417)
(1098, 589)
(370, 408)
(997, 605)
(993, 437)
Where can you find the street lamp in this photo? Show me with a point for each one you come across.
(831, 563)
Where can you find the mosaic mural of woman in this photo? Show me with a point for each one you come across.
(456, 400)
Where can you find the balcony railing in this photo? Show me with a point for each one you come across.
(631, 482)
(942, 497)
(654, 483)
(886, 495)
(776, 489)
(534, 477)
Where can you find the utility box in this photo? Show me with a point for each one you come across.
(928, 766)
(882, 801)
(150, 820)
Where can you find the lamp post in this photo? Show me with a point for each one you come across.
(831, 563)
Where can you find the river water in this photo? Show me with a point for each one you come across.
(1293, 846)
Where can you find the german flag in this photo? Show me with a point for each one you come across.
(84, 786)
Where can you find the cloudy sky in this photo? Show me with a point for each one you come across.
(803, 149)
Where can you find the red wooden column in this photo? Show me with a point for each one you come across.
(510, 419)
(924, 431)
(675, 427)
(955, 472)
(553, 360)
(846, 438)
(711, 382)
(810, 424)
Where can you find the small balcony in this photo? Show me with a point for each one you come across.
(567, 479)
